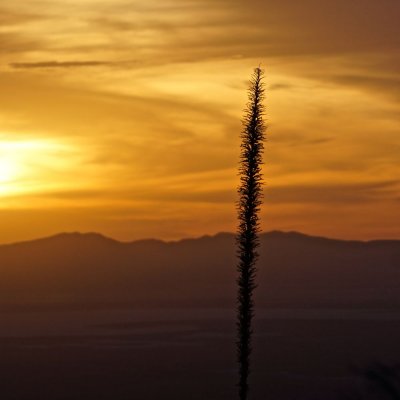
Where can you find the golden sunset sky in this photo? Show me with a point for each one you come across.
(123, 116)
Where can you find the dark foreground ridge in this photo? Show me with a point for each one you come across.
(295, 270)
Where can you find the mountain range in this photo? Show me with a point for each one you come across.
(295, 270)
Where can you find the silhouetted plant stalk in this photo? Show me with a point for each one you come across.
(250, 199)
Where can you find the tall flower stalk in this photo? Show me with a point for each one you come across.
(250, 200)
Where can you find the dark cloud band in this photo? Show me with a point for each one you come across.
(58, 64)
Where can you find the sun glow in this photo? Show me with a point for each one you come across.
(8, 169)
(22, 162)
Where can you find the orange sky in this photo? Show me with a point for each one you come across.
(123, 116)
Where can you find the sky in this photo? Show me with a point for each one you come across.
(123, 116)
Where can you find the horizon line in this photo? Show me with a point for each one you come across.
(274, 231)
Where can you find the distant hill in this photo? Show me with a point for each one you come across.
(295, 270)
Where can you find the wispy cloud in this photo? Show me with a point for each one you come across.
(58, 64)
(331, 194)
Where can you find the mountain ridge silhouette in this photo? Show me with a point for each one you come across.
(100, 236)
(295, 270)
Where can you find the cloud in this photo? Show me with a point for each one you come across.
(292, 138)
(58, 64)
(12, 43)
(10, 17)
(376, 85)
(162, 191)
(355, 193)
(280, 86)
